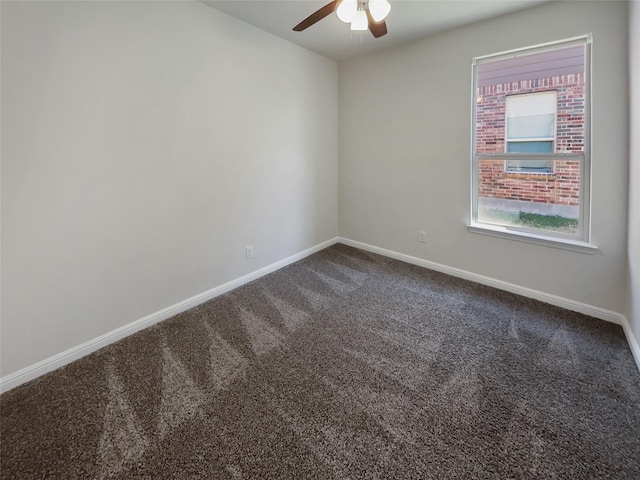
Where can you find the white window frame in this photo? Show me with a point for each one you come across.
(582, 241)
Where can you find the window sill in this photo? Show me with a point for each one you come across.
(545, 177)
(505, 232)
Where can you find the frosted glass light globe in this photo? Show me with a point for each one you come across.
(347, 10)
(379, 9)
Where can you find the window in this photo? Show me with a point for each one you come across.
(530, 128)
(530, 160)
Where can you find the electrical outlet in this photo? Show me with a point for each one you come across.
(422, 237)
(249, 252)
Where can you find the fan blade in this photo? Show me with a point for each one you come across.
(378, 29)
(317, 16)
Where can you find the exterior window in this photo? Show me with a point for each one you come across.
(531, 143)
(531, 128)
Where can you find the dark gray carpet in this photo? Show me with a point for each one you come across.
(343, 365)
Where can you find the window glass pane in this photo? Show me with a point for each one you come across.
(530, 147)
(531, 166)
(531, 126)
(531, 104)
(527, 85)
(537, 202)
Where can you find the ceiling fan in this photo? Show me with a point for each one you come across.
(361, 14)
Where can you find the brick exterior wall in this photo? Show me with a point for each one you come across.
(560, 187)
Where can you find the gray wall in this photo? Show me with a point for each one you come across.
(405, 117)
(633, 309)
(144, 145)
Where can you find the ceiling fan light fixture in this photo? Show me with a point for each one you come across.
(379, 9)
(355, 12)
(360, 21)
(347, 10)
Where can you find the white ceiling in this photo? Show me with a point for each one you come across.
(409, 19)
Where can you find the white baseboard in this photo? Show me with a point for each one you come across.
(29, 373)
(633, 343)
(592, 311)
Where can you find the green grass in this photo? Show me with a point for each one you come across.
(553, 223)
